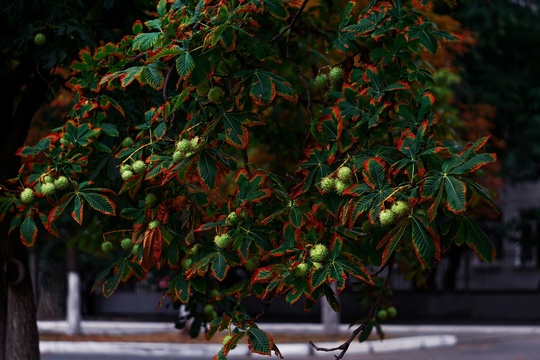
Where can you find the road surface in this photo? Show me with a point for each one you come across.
(471, 347)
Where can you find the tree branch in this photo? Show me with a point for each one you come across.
(345, 345)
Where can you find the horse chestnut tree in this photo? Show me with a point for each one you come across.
(167, 131)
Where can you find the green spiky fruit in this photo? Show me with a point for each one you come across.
(150, 200)
(392, 312)
(48, 189)
(126, 174)
(386, 217)
(345, 174)
(399, 208)
(222, 240)
(128, 142)
(61, 183)
(106, 246)
(27, 196)
(40, 39)
(318, 253)
(232, 219)
(48, 179)
(183, 145)
(321, 81)
(340, 186)
(382, 314)
(126, 244)
(202, 89)
(367, 226)
(135, 249)
(125, 167)
(317, 265)
(301, 269)
(138, 166)
(336, 75)
(196, 144)
(178, 156)
(327, 184)
(215, 94)
(153, 224)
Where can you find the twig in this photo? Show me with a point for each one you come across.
(291, 24)
(345, 346)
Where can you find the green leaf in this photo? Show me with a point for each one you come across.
(219, 267)
(235, 133)
(110, 129)
(145, 41)
(78, 210)
(426, 244)
(185, 64)
(28, 231)
(250, 188)
(111, 284)
(208, 170)
(295, 216)
(259, 341)
(455, 194)
(100, 203)
(276, 9)
(153, 76)
(263, 89)
(129, 75)
(179, 288)
(375, 173)
(478, 241)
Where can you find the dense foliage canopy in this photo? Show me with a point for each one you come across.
(296, 143)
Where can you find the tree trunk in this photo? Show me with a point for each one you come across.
(22, 98)
(73, 305)
(329, 318)
(19, 327)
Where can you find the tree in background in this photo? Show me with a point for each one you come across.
(40, 40)
(500, 72)
(293, 144)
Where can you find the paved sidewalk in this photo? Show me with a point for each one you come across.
(401, 338)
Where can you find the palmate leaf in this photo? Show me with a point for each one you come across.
(249, 188)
